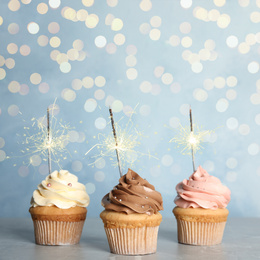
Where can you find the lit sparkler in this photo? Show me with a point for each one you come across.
(49, 140)
(190, 139)
(126, 142)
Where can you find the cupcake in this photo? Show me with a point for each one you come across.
(58, 209)
(131, 218)
(201, 212)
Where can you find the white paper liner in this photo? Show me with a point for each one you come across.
(198, 233)
(132, 241)
(57, 232)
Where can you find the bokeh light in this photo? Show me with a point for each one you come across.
(146, 86)
(100, 81)
(88, 3)
(55, 42)
(112, 3)
(111, 48)
(91, 21)
(90, 188)
(68, 95)
(100, 123)
(185, 27)
(232, 41)
(156, 21)
(117, 24)
(117, 106)
(145, 5)
(13, 28)
(35, 78)
(13, 110)
(253, 67)
(25, 50)
(244, 129)
(167, 78)
(14, 86)
(42, 8)
(231, 81)
(232, 123)
(174, 40)
(54, 4)
(186, 3)
(14, 5)
(186, 42)
(12, 48)
(131, 73)
(53, 27)
(145, 28)
(2, 73)
(43, 40)
(87, 82)
(90, 105)
(100, 41)
(10, 63)
(222, 105)
(33, 28)
(77, 166)
(24, 89)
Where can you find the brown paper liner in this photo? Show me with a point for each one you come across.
(198, 233)
(132, 241)
(48, 232)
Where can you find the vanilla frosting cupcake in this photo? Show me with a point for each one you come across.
(201, 212)
(58, 209)
(131, 216)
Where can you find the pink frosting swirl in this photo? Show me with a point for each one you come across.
(202, 191)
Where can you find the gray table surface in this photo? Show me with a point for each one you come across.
(241, 241)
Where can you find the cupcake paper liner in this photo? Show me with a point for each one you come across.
(57, 232)
(132, 241)
(199, 233)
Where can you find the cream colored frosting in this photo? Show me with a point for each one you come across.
(60, 189)
(202, 191)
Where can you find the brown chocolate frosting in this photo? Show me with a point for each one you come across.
(133, 194)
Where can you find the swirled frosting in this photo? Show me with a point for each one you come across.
(133, 195)
(60, 189)
(202, 191)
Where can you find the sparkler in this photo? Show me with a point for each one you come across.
(49, 140)
(190, 139)
(114, 133)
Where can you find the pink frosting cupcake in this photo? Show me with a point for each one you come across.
(201, 212)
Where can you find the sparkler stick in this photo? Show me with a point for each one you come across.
(114, 133)
(48, 140)
(191, 137)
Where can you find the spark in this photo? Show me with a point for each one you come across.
(188, 140)
(49, 141)
(128, 138)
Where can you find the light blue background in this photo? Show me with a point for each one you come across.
(232, 154)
